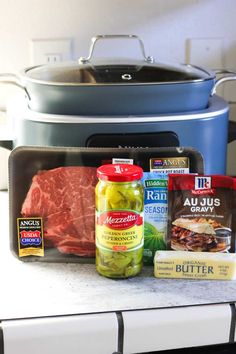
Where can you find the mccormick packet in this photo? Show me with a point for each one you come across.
(200, 213)
(155, 214)
(234, 216)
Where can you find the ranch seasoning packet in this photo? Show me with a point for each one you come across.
(200, 213)
(155, 214)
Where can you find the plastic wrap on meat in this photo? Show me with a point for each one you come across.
(64, 198)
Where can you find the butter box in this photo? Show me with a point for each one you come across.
(195, 265)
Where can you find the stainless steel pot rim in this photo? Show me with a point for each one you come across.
(51, 83)
(127, 84)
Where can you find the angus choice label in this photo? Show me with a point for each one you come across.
(30, 237)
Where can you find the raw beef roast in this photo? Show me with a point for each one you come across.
(64, 198)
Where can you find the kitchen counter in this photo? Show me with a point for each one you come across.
(64, 289)
(39, 290)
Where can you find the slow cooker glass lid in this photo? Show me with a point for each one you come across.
(116, 72)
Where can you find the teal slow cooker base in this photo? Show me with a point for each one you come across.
(206, 131)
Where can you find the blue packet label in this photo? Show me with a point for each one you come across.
(155, 214)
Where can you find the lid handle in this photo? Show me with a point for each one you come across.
(83, 60)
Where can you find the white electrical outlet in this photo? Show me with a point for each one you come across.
(53, 57)
(44, 51)
(206, 52)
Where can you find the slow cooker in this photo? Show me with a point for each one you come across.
(122, 102)
(205, 130)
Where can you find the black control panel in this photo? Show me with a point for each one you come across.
(137, 140)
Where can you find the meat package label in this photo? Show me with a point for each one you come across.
(30, 237)
(169, 165)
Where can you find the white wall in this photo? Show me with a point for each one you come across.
(164, 25)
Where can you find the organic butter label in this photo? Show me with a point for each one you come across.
(195, 265)
(120, 230)
(30, 237)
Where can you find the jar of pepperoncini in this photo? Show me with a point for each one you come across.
(119, 220)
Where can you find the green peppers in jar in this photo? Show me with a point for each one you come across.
(119, 221)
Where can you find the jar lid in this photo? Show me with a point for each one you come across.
(119, 172)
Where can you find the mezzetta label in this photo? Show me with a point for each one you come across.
(119, 219)
(119, 230)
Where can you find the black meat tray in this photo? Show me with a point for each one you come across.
(25, 162)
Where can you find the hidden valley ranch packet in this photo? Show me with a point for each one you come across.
(155, 214)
